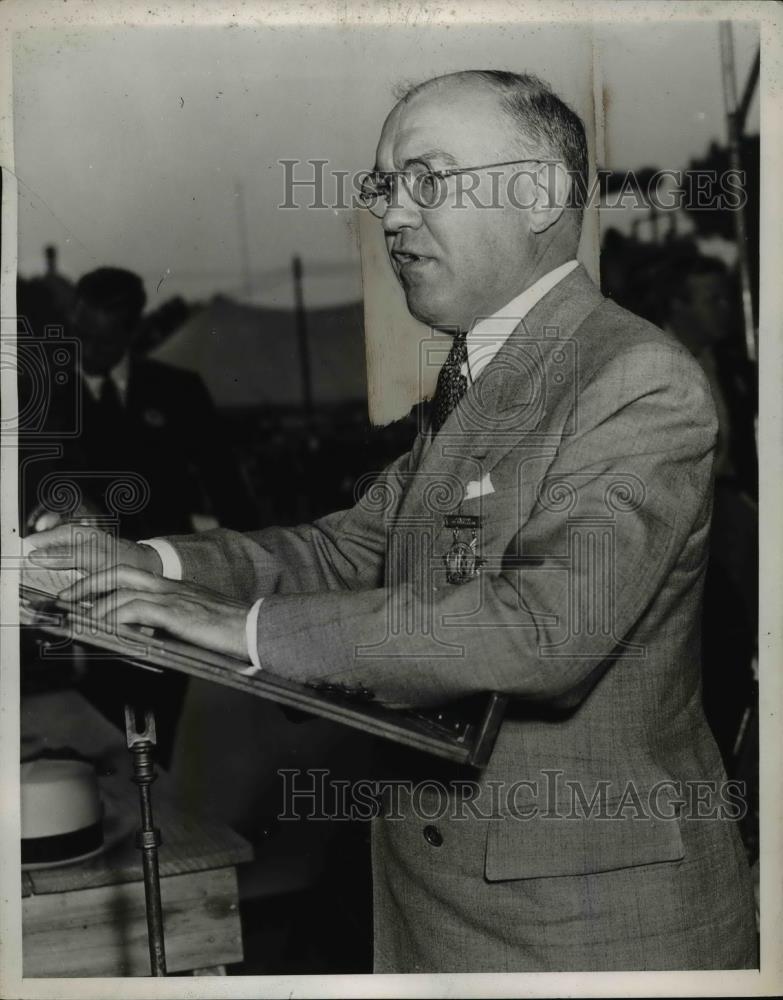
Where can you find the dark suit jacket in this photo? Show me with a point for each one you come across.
(162, 459)
(598, 432)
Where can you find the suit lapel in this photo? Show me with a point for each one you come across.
(533, 375)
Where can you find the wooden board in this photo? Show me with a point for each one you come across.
(466, 741)
(103, 931)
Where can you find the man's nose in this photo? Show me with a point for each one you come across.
(402, 213)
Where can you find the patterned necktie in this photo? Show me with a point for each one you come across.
(452, 384)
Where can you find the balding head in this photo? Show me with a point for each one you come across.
(506, 145)
(542, 123)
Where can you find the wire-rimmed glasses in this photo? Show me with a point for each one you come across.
(379, 189)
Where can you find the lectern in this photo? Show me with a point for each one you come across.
(464, 734)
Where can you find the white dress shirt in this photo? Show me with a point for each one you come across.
(119, 375)
(487, 336)
(483, 341)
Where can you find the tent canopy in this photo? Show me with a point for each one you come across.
(249, 356)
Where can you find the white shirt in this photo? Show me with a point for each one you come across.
(119, 375)
(487, 336)
(483, 341)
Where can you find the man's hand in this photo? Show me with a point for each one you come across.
(124, 595)
(42, 519)
(89, 549)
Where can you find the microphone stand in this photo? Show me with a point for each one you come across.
(141, 744)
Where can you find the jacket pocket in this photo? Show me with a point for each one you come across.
(543, 847)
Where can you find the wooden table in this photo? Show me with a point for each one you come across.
(88, 919)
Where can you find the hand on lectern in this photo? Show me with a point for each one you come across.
(89, 549)
(124, 595)
(123, 586)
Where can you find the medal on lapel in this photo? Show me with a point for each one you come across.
(462, 559)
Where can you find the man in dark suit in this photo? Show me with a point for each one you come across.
(147, 452)
(545, 537)
(138, 448)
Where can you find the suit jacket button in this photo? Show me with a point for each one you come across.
(433, 836)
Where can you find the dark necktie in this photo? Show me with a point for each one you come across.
(452, 384)
(109, 403)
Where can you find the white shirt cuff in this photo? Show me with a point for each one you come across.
(169, 558)
(251, 637)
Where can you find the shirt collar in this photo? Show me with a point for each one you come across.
(119, 374)
(487, 336)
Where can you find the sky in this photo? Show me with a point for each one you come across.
(664, 89)
(157, 149)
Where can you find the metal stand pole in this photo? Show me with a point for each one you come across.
(148, 838)
(735, 159)
(301, 333)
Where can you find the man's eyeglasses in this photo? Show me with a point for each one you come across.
(379, 189)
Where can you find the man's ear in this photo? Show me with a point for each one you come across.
(552, 185)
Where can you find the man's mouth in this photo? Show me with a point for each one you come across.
(404, 259)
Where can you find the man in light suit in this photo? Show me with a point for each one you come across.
(544, 537)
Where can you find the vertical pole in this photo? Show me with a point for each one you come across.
(301, 333)
(244, 252)
(148, 838)
(655, 225)
(734, 128)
